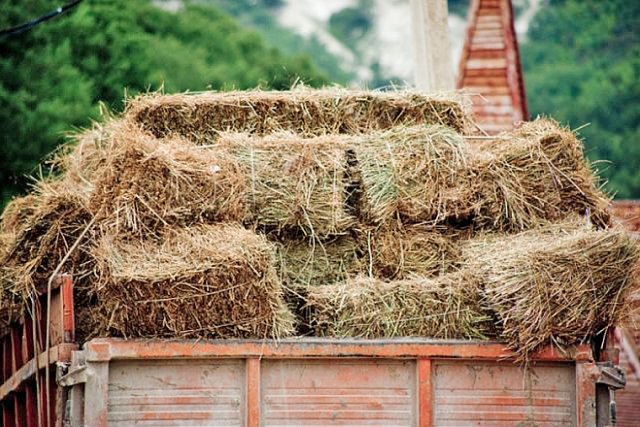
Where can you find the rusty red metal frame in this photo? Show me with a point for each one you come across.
(24, 398)
(106, 349)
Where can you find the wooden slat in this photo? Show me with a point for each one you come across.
(485, 72)
(488, 46)
(486, 53)
(485, 83)
(487, 90)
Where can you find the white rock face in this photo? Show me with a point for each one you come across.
(389, 43)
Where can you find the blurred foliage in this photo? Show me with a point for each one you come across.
(582, 62)
(261, 16)
(351, 24)
(52, 77)
(458, 7)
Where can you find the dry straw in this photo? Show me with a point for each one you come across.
(145, 185)
(537, 172)
(372, 185)
(510, 183)
(10, 309)
(414, 175)
(59, 217)
(305, 264)
(552, 286)
(398, 251)
(17, 213)
(206, 281)
(446, 307)
(201, 116)
(294, 184)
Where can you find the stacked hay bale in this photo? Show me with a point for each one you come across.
(358, 214)
(135, 214)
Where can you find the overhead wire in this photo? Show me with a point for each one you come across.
(19, 29)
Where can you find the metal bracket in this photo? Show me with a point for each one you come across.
(77, 375)
(611, 375)
(610, 379)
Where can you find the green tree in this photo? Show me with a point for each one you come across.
(52, 77)
(582, 61)
(261, 16)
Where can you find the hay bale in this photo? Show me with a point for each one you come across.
(294, 184)
(146, 185)
(399, 252)
(17, 213)
(535, 173)
(60, 217)
(82, 159)
(414, 175)
(216, 281)
(556, 287)
(305, 264)
(446, 307)
(6, 241)
(10, 310)
(201, 116)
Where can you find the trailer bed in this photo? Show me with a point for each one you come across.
(395, 382)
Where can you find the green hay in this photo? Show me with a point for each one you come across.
(446, 307)
(294, 185)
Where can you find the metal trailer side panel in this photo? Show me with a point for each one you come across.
(303, 383)
(176, 392)
(314, 392)
(498, 394)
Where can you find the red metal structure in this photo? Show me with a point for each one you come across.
(490, 67)
(28, 377)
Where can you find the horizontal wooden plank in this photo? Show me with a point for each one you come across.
(487, 53)
(485, 72)
(485, 63)
(485, 82)
(487, 32)
(493, 110)
(486, 90)
(487, 46)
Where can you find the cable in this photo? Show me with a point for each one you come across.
(34, 22)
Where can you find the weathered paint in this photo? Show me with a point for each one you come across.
(299, 392)
(503, 394)
(425, 392)
(408, 382)
(178, 391)
(107, 349)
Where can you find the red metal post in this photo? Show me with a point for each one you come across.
(16, 350)
(586, 375)
(253, 392)
(68, 320)
(425, 393)
(19, 405)
(31, 416)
